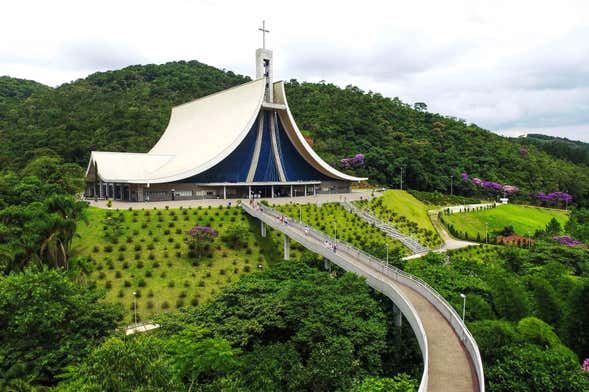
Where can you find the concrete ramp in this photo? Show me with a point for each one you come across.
(451, 357)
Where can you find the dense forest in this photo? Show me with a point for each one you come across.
(570, 150)
(128, 109)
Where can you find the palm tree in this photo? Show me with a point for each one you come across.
(65, 211)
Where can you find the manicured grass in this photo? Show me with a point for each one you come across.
(403, 211)
(350, 228)
(149, 256)
(524, 219)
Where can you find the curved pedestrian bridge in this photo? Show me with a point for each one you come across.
(451, 357)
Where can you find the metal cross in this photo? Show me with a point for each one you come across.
(264, 31)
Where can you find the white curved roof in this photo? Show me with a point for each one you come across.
(302, 146)
(201, 134)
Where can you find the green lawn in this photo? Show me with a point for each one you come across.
(524, 219)
(149, 256)
(350, 228)
(409, 215)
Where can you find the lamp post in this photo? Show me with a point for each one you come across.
(300, 214)
(135, 305)
(451, 185)
(387, 246)
(463, 305)
(335, 229)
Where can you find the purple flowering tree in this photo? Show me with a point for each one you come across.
(198, 237)
(355, 161)
(523, 151)
(553, 198)
(585, 365)
(490, 185)
(568, 241)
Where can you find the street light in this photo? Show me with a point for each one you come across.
(451, 185)
(135, 305)
(335, 229)
(463, 305)
(387, 245)
(300, 214)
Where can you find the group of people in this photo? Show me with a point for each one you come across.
(329, 245)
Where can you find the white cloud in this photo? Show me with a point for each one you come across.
(504, 65)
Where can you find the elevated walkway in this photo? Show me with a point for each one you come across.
(411, 243)
(451, 357)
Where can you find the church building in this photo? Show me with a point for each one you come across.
(242, 142)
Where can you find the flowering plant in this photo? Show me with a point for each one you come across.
(202, 230)
(355, 161)
(585, 365)
(490, 185)
(523, 151)
(554, 196)
(568, 241)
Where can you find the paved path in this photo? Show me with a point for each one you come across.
(411, 243)
(453, 362)
(318, 199)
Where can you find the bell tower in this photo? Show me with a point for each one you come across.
(264, 65)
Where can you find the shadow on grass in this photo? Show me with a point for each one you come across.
(269, 248)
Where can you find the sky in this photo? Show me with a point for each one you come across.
(513, 67)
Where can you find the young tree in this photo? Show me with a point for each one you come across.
(236, 235)
(199, 237)
(553, 227)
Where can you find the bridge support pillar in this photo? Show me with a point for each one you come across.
(263, 227)
(327, 265)
(286, 247)
(398, 316)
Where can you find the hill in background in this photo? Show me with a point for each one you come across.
(128, 109)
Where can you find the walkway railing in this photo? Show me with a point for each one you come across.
(414, 246)
(294, 229)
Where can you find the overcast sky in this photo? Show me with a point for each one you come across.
(509, 66)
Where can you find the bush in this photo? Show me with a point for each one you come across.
(101, 275)
(108, 248)
(121, 293)
(137, 247)
(125, 265)
(141, 283)
(140, 264)
(95, 249)
(171, 284)
(118, 274)
(201, 283)
(149, 305)
(186, 283)
(126, 283)
(179, 303)
(148, 274)
(121, 257)
(182, 294)
(108, 285)
(165, 305)
(194, 302)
